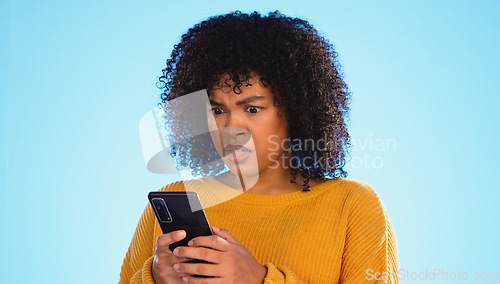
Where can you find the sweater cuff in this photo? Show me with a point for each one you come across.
(273, 275)
(147, 273)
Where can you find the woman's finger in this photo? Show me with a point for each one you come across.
(198, 269)
(201, 253)
(203, 280)
(214, 242)
(165, 240)
(225, 234)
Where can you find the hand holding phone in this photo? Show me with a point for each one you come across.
(180, 210)
(162, 269)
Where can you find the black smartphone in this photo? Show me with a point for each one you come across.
(180, 210)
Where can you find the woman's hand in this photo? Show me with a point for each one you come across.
(164, 259)
(231, 262)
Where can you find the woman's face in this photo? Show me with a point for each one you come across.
(249, 128)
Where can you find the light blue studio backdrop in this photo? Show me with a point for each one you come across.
(77, 76)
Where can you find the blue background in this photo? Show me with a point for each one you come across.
(76, 77)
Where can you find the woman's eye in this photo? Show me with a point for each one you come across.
(217, 111)
(253, 109)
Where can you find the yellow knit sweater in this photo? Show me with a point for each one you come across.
(338, 232)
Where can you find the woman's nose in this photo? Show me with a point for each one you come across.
(235, 131)
(235, 127)
(234, 122)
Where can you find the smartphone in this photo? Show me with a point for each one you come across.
(180, 210)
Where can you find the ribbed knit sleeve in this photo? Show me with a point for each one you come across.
(370, 252)
(136, 267)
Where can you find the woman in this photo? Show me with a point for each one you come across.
(278, 106)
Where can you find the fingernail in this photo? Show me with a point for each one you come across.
(215, 228)
(180, 234)
(176, 267)
(190, 243)
(176, 252)
(185, 279)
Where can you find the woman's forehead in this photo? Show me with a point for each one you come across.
(243, 92)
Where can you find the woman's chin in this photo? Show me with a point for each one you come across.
(246, 172)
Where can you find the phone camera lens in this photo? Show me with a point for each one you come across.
(161, 210)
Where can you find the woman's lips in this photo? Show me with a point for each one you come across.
(237, 153)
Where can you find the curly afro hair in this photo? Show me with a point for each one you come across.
(289, 54)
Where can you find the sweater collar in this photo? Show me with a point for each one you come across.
(272, 199)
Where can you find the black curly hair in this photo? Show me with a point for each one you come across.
(289, 54)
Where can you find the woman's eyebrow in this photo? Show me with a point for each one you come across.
(250, 100)
(214, 103)
(242, 102)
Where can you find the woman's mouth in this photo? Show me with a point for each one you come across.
(237, 153)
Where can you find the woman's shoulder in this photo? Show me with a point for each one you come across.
(350, 185)
(194, 184)
(174, 186)
(354, 191)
